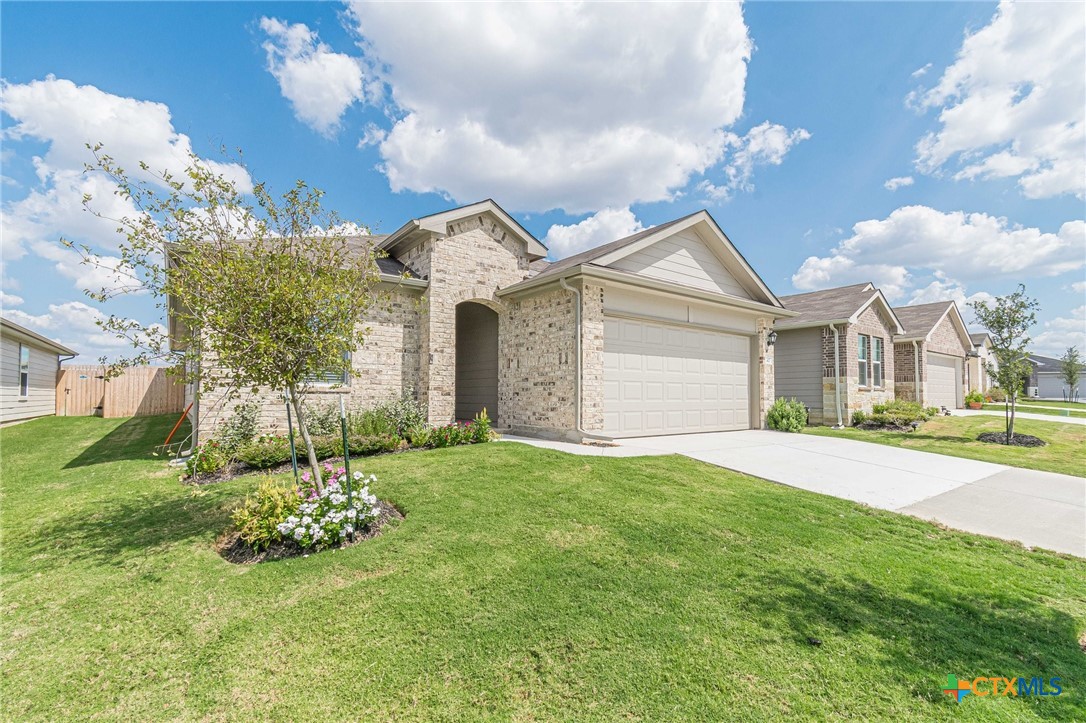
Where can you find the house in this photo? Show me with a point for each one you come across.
(662, 332)
(835, 355)
(977, 361)
(1046, 380)
(28, 364)
(936, 342)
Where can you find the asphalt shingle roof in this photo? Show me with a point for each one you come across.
(826, 305)
(922, 318)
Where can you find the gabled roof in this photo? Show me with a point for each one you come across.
(439, 223)
(842, 305)
(1044, 363)
(10, 328)
(599, 258)
(920, 320)
(980, 339)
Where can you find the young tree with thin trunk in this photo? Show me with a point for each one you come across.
(1070, 367)
(1008, 320)
(265, 292)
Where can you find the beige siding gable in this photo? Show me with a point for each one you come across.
(683, 259)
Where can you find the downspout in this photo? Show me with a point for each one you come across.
(577, 362)
(916, 370)
(837, 374)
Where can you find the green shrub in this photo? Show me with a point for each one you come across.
(997, 395)
(322, 420)
(240, 428)
(480, 428)
(931, 412)
(449, 435)
(206, 459)
(258, 518)
(405, 413)
(974, 397)
(418, 436)
(265, 451)
(371, 423)
(858, 418)
(366, 446)
(787, 415)
(896, 413)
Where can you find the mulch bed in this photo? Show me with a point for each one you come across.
(1019, 440)
(240, 469)
(233, 549)
(885, 427)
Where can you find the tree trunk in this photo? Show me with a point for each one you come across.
(314, 465)
(1010, 419)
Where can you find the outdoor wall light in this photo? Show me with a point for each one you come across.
(771, 338)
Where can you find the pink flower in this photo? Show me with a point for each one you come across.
(305, 476)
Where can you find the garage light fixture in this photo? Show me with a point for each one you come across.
(771, 338)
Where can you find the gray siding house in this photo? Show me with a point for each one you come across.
(661, 332)
(835, 355)
(936, 342)
(1046, 381)
(28, 369)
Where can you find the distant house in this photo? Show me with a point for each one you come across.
(836, 356)
(28, 366)
(1046, 380)
(936, 342)
(976, 365)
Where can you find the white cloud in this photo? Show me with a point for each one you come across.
(9, 300)
(897, 182)
(319, 83)
(920, 72)
(971, 247)
(943, 288)
(1013, 104)
(1059, 333)
(560, 105)
(766, 144)
(1079, 287)
(68, 117)
(73, 324)
(607, 225)
(99, 274)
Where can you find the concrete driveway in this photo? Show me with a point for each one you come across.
(1039, 509)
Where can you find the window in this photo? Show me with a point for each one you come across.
(331, 378)
(24, 371)
(862, 356)
(876, 361)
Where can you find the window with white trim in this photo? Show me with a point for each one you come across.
(331, 378)
(876, 361)
(861, 358)
(24, 370)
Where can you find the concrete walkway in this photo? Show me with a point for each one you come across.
(1019, 415)
(1038, 509)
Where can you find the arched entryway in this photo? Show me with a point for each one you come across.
(476, 361)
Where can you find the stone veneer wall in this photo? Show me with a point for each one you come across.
(387, 365)
(471, 263)
(765, 373)
(592, 358)
(537, 366)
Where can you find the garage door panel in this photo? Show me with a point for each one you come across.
(942, 382)
(666, 379)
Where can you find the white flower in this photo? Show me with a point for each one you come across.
(352, 513)
(306, 520)
(357, 475)
(298, 532)
(347, 530)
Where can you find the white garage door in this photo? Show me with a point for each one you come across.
(943, 381)
(667, 379)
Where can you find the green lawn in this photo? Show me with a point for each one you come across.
(523, 584)
(1066, 409)
(957, 436)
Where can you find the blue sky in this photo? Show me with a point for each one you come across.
(786, 121)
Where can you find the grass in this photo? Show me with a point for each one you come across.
(523, 584)
(957, 437)
(1066, 410)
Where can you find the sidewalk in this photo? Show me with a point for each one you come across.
(1019, 415)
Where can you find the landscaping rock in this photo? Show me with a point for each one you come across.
(1019, 440)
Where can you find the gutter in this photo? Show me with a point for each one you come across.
(577, 361)
(916, 369)
(837, 374)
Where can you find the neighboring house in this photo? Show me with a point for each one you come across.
(661, 332)
(28, 365)
(1046, 380)
(976, 364)
(836, 356)
(936, 341)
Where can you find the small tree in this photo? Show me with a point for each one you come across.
(1008, 320)
(1070, 367)
(264, 294)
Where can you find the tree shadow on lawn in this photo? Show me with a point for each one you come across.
(931, 632)
(133, 439)
(133, 527)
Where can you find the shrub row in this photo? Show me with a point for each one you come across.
(898, 413)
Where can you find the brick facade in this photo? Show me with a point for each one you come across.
(944, 339)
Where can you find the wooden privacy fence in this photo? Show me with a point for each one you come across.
(139, 392)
